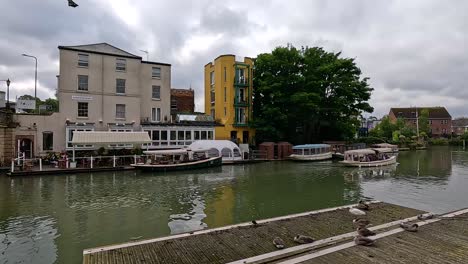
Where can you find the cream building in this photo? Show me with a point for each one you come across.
(103, 88)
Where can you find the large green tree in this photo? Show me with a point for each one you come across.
(308, 95)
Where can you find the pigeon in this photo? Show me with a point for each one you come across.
(361, 222)
(409, 227)
(356, 211)
(301, 239)
(424, 217)
(254, 222)
(72, 4)
(362, 231)
(362, 206)
(363, 241)
(278, 242)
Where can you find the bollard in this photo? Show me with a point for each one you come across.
(12, 165)
(66, 163)
(91, 162)
(40, 164)
(114, 161)
(135, 159)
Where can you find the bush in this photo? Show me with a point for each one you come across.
(438, 142)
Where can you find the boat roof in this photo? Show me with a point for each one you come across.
(311, 146)
(360, 151)
(165, 152)
(383, 150)
(384, 145)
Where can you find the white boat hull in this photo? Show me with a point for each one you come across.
(377, 163)
(315, 157)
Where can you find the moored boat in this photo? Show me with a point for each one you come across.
(311, 152)
(177, 159)
(388, 148)
(368, 157)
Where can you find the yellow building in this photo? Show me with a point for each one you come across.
(228, 97)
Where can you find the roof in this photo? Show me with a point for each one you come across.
(183, 92)
(194, 118)
(360, 151)
(166, 152)
(410, 112)
(311, 146)
(101, 48)
(105, 137)
(460, 122)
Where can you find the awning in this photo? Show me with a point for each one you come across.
(166, 152)
(106, 138)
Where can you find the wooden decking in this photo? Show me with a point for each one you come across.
(240, 242)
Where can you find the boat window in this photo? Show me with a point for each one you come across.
(203, 135)
(236, 152)
(173, 135)
(212, 152)
(226, 152)
(307, 152)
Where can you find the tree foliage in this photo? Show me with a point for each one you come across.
(52, 102)
(306, 95)
(423, 122)
(393, 131)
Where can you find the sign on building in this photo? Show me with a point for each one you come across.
(26, 104)
(82, 98)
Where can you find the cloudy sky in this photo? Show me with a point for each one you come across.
(415, 52)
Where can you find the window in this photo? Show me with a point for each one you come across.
(203, 135)
(156, 72)
(180, 135)
(47, 140)
(156, 92)
(155, 135)
(430, 122)
(119, 111)
(83, 60)
(225, 74)
(120, 64)
(188, 135)
(213, 113)
(225, 94)
(82, 109)
(156, 114)
(212, 97)
(120, 86)
(225, 112)
(82, 82)
(210, 134)
(212, 78)
(69, 137)
(197, 135)
(173, 135)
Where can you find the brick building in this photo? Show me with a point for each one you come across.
(182, 101)
(440, 121)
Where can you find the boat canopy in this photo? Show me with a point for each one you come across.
(225, 148)
(360, 152)
(383, 150)
(384, 145)
(311, 146)
(166, 152)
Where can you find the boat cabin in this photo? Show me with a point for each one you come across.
(367, 155)
(311, 149)
(174, 156)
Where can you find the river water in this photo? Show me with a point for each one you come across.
(51, 219)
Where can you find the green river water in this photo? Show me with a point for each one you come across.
(51, 219)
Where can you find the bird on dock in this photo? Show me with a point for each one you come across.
(278, 242)
(254, 222)
(301, 239)
(362, 206)
(356, 211)
(409, 227)
(361, 222)
(424, 217)
(72, 4)
(363, 231)
(363, 241)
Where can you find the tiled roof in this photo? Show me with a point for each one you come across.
(410, 112)
(460, 122)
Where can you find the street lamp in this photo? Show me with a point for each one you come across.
(35, 78)
(8, 93)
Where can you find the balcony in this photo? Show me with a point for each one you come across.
(241, 81)
(240, 101)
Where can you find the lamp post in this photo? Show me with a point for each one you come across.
(8, 93)
(35, 79)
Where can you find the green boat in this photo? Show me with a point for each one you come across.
(176, 160)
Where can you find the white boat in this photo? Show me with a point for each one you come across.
(311, 152)
(389, 148)
(368, 157)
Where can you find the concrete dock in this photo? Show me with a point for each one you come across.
(332, 228)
